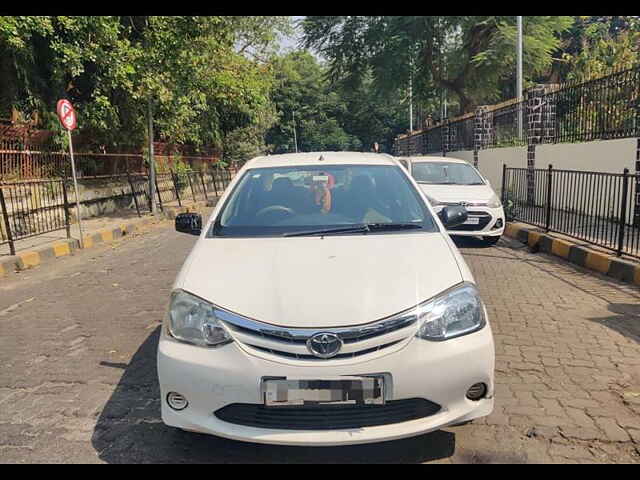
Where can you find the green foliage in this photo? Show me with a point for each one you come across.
(201, 87)
(465, 55)
(605, 45)
(326, 117)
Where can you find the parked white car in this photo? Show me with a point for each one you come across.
(324, 304)
(451, 181)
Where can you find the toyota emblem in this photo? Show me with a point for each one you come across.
(324, 345)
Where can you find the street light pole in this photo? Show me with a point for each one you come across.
(295, 138)
(411, 101)
(519, 77)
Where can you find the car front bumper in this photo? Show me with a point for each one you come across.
(488, 219)
(440, 372)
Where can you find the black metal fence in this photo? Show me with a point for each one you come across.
(601, 109)
(32, 208)
(461, 134)
(433, 140)
(598, 208)
(506, 129)
(604, 108)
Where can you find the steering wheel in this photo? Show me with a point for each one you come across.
(275, 208)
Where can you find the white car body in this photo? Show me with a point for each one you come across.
(483, 218)
(335, 283)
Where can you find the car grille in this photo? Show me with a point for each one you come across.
(485, 218)
(292, 343)
(327, 417)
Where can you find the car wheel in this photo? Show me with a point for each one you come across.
(491, 240)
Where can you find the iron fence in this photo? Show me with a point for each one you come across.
(37, 207)
(599, 208)
(434, 140)
(604, 108)
(600, 109)
(461, 134)
(506, 131)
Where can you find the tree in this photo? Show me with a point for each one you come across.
(597, 45)
(301, 90)
(201, 86)
(465, 55)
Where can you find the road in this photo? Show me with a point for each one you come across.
(78, 374)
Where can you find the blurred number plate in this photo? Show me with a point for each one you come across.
(472, 221)
(343, 390)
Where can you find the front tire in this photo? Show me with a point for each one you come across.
(491, 240)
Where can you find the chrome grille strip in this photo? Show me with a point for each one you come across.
(301, 335)
(340, 356)
(291, 342)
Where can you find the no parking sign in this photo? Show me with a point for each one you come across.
(67, 114)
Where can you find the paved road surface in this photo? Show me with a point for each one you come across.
(78, 379)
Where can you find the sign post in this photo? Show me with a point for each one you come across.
(67, 116)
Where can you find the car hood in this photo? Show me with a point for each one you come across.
(458, 193)
(313, 282)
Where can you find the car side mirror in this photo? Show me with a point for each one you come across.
(453, 215)
(189, 223)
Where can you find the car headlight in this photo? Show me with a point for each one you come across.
(193, 320)
(494, 202)
(456, 312)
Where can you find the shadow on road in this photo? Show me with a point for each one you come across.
(130, 430)
(625, 321)
(470, 242)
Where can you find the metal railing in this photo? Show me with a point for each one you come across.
(32, 208)
(603, 108)
(505, 131)
(461, 134)
(434, 140)
(598, 208)
(600, 109)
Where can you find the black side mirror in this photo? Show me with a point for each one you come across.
(189, 223)
(453, 215)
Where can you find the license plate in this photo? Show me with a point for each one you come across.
(341, 390)
(472, 221)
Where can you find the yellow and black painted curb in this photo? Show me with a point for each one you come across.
(610, 265)
(33, 258)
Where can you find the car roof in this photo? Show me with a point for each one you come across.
(434, 159)
(328, 158)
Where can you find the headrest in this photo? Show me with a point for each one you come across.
(281, 184)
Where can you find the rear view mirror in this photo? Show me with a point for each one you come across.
(189, 223)
(453, 215)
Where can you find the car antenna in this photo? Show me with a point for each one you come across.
(321, 158)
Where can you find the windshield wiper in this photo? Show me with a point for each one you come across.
(328, 231)
(364, 228)
(393, 226)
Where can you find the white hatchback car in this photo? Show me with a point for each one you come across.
(324, 304)
(451, 181)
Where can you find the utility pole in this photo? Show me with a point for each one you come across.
(152, 162)
(519, 77)
(411, 98)
(295, 137)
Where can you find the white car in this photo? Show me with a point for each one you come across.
(451, 181)
(324, 304)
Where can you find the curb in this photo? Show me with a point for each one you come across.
(610, 265)
(63, 248)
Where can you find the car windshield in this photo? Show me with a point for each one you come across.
(445, 173)
(336, 199)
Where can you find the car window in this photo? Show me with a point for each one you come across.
(445, 173)
(283, 200)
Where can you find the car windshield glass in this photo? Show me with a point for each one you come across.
(445, 173)
(281, 201)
